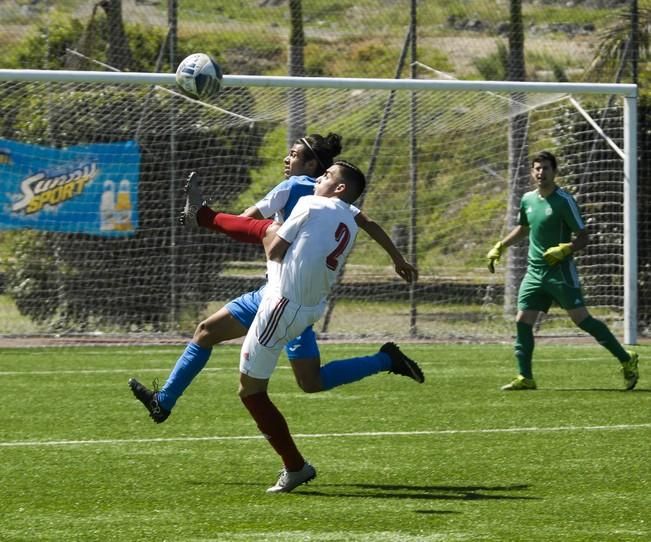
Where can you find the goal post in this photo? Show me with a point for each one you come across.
(120, 122)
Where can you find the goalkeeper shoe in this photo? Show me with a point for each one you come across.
(290, 480)
(149, 398)
(520, 383)
(193, 201)
(401, 364)
(630, 371)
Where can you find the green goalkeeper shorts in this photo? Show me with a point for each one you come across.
(541, 286)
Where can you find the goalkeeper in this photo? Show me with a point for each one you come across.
(548, 216)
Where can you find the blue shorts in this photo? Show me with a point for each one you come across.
(244, 308)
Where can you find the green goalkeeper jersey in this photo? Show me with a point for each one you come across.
(550, 220)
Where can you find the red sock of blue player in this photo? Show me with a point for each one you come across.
(240, 228)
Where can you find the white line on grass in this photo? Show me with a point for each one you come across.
(41, 443)
(205, 369)
(103, 371)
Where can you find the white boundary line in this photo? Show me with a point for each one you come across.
(109, 371)
(439, 432)
(233, 366)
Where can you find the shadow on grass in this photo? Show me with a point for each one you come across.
(456, 493)
(610, 390)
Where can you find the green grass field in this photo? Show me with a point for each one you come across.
(452, 459)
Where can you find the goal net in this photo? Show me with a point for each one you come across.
(91, 176)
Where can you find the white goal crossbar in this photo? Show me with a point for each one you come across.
(168, 79)
(628, 92)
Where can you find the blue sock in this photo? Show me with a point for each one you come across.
(345, 371)
(188, 366)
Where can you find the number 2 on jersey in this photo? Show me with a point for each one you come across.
(343, 236)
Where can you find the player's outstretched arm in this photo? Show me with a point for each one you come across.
(407, 271)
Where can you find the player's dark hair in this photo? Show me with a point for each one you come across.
(547, 156)
(354, 178)
(324, 149)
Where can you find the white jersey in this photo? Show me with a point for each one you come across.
(322, 232)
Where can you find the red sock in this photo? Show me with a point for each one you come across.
(240, 228)
(273, 426)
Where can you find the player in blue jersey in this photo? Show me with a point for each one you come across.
(550, 218)
(307, 159)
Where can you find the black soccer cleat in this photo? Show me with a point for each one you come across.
(401, 364)
(149, 398)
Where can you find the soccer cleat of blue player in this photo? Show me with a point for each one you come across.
(149, 398)
(401, 364)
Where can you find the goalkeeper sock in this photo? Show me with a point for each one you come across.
(524, 343)
(604, 337)
(273, 426)
(345, 371)
(189, 365)
(240, 228)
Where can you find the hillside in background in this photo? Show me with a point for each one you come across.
(462, 39)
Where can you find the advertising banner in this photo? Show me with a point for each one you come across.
(90, 189)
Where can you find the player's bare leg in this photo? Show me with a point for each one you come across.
(307, 372)
(218, 327)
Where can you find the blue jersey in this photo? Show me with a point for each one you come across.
(280, 201)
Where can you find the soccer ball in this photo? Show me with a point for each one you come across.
(199, 76)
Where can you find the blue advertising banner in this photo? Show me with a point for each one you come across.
(89, 189)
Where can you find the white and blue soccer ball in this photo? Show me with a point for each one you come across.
(199, 76)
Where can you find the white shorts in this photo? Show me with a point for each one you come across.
(277, 321)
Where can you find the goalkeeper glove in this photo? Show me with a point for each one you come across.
(494, 255)
(557, 254)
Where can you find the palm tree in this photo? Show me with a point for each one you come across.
(623, 43)
(296, 123)
(119, 52)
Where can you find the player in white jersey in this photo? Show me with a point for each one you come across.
(304, 256)
(321, 232)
